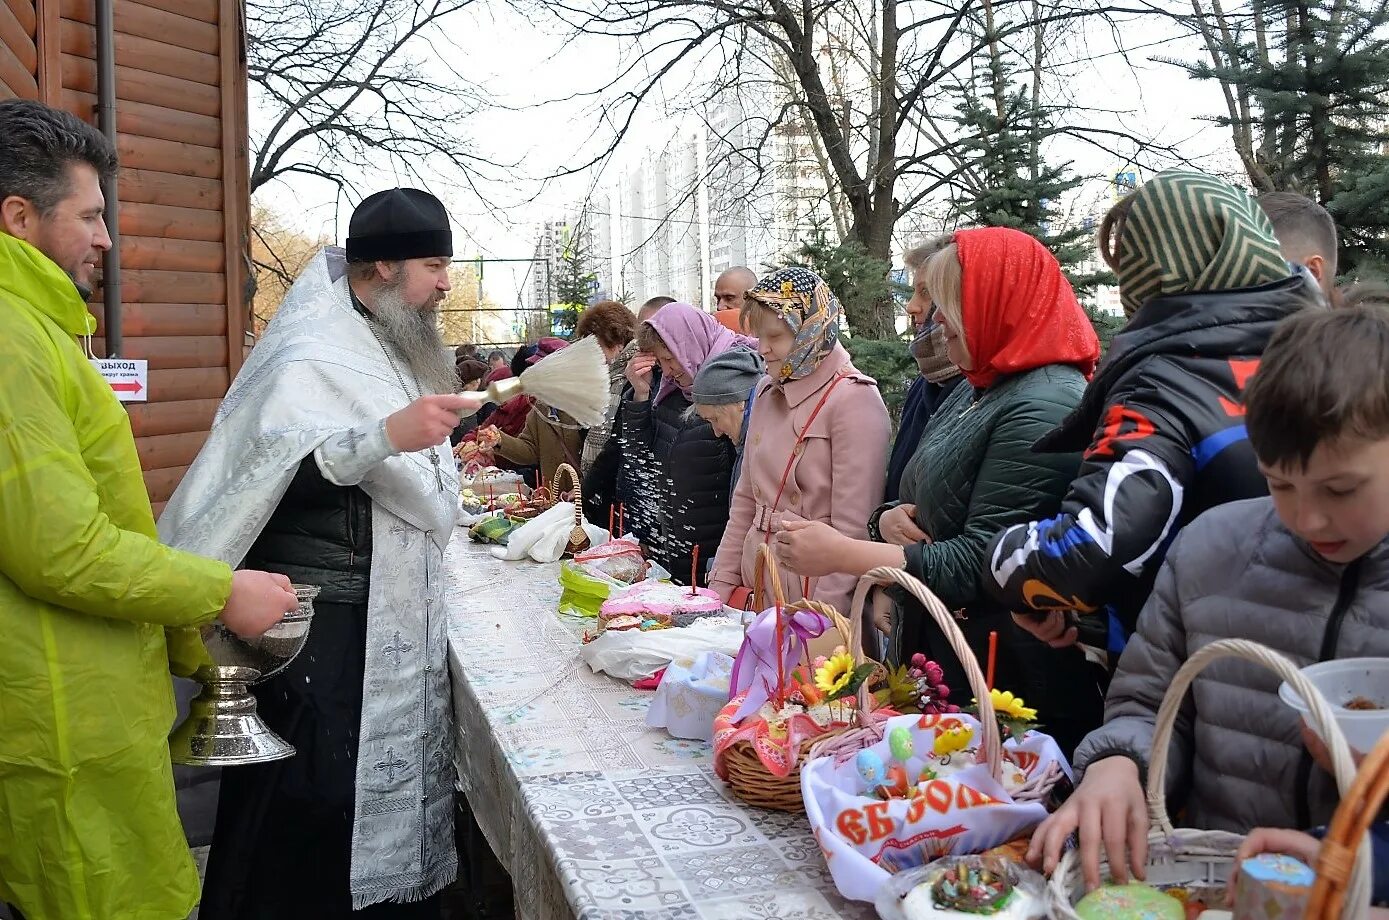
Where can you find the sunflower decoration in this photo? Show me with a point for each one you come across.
(838, 678)
(1015, 717)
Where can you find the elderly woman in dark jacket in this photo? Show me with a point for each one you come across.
(682, 467)
(1014, 327)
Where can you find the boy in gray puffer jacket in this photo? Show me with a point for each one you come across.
(1304, 572)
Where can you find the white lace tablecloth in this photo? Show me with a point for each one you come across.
(594, 814)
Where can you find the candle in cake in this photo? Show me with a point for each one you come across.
(694, 572)
(993, 657)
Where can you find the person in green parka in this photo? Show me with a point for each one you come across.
(88, 827)
(1025, 347)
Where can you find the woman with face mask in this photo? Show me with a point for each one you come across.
(817, 437)
(938, 376)
(1025, 346)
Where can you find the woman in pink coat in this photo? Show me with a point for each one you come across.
(817, 440)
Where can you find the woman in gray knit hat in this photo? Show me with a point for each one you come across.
(721, 393)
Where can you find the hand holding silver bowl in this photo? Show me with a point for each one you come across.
(223, 728)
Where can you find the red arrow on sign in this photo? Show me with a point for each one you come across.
(132, 387)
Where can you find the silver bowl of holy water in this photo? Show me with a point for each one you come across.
(223, 728)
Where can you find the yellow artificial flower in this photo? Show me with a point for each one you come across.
(1009, 706)
(835, 673)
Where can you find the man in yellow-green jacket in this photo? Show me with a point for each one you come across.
(88, 827)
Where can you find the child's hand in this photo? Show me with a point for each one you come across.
(1107, 808)
(1274, 840)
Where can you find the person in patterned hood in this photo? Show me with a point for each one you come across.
(817, 438)
(1204, 283)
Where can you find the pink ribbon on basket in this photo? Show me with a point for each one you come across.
(755, 668)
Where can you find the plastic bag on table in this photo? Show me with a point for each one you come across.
(691, 695)
(620, 561)
(954, 812)
(544, 537)
(632, 654)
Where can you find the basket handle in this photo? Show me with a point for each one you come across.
(766, 565)
(885, 576)
(1357, 811)
(578, 538)
(1322, 720)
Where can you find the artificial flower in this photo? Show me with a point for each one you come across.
(1008, 706)
(835, 674)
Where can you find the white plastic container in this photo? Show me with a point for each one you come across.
(1341, 681)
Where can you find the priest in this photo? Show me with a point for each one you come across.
(329, 462)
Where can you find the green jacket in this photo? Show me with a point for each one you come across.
(974, 474)
(88, 827)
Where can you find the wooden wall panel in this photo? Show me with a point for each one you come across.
(150, 187)
(190, 383)
(17, 76)
(151, 419)
(141, 219)
(170, 352)
(143, 21)
(184, 207)
(19, 36)
(79, 39)
(172, 255)
(167, 319)
(135, 85)
(23, 11)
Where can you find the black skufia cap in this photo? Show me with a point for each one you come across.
(399, 223)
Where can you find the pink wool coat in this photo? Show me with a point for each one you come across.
(836, 477)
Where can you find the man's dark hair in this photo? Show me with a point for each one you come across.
(38, 144)
(495, 355)
(657, 302)
(1302, 226)
(1324, 376)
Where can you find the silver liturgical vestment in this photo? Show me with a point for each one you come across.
(319, 382)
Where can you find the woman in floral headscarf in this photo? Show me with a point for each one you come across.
(1013, 326)
(817, 436)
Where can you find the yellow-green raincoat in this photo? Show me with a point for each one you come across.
(88, 827)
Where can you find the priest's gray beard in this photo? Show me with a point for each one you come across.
(414, 330)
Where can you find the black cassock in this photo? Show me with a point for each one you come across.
(282, 846)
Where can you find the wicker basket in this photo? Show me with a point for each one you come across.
(845, 745)
(1345, 838)
(578, 537)
(747, 776)
(1209, 855)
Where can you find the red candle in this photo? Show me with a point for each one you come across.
(993, 656)
(611, 510)
(694, 572)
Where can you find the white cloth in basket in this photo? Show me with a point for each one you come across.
(865, 839)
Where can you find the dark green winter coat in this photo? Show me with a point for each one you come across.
(974, 474)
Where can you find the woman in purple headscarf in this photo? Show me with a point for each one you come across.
(682, 465)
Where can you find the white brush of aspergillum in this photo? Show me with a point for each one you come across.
(573, 380)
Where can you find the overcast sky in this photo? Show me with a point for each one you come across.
(522, 67)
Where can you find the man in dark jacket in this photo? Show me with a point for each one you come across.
(1161, 425)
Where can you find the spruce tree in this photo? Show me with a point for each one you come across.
(1308, 91)
(1008, 181)
(574, 283)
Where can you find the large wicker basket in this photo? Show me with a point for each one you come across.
(1208, 856)
(1345, 838)
(847, 744)
(746, 775)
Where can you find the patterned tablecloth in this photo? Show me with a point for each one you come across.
(594, 814)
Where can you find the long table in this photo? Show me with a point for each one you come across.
(594, 814)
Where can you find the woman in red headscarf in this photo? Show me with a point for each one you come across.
(1026, 348)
